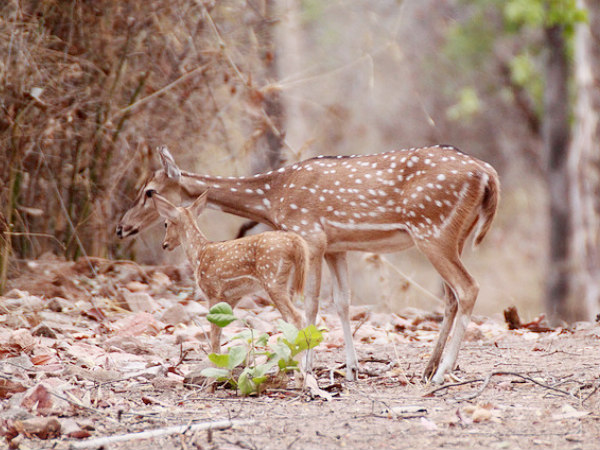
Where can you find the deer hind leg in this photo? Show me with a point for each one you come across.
(341, 296)
(451, 307)
(463, 289)
(282, 301)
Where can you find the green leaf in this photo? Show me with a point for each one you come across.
(282, 350)
(309, 337)
(285, 365)
(262, 340)
(219, 360)
(221, 315)
(467, 106)
(252, 377)
(260, 370)
(245, 383)
(237, 355)
(290, 332)
(526, 12)
(245, 335)
(214, 372)
(259, 380)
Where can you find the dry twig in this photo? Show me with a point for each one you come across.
(177, 429)
(486, 381)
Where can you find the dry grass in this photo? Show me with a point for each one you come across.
(88, 91)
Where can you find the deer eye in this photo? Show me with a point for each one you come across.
(165, 224)
(150, 193)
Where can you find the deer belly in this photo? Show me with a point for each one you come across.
(236, 287)
(376, 241)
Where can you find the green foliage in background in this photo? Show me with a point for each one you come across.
(501, 29)
(544, 13)
(259, 360)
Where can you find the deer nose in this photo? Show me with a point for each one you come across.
(127, 230)
(165, 245)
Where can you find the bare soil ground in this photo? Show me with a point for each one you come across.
(104, 351)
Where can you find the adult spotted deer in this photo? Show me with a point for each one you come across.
(226, 271)
(433, 198)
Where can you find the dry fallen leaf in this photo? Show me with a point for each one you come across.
(8, 388)
(568, 412)
(22, 339)
(481, 415)
(313, 387)
(428, 424)
(41, 427)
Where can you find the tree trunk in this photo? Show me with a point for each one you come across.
(274, 134)
(584, 168)
(291, 62)
(556, 140)
(268, 153)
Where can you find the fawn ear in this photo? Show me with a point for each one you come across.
(165, 208)
(199, 204)
(168, 163)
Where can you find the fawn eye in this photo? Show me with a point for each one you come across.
(150, 192)
(165, 224)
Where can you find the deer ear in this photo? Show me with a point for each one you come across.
(199, 204)
(168, 163)
(165, 208)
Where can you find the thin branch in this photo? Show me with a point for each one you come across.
(69, 221)
(225, 50)
(590, 394)
(28, 233)
(360, 324)
(448, 386)
(411, 281)
(177, 429)
(486, 382)
(157, 93)
(82, 406)
(223, 46)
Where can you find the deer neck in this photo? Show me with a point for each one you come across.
(193, 240)
(248, 197)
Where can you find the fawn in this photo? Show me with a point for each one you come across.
(275, 261)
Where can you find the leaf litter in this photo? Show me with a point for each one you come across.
(104, 353)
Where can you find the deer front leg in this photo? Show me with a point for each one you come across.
(341, 296)
(215, 338)
(311, 299)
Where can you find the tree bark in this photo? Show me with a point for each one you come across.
(584, 168)
(268, 152)
(556, 140)
(274, 135)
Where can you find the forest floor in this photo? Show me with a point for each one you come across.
(94, 355)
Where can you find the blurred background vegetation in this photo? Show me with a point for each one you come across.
(88, 89)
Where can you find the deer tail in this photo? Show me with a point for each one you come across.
(301, 269)
(489, 204)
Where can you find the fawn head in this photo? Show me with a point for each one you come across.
(178, 220)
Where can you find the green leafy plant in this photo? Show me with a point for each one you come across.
(255, 359)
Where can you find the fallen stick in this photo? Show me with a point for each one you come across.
(486, 381)
(176, 429)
